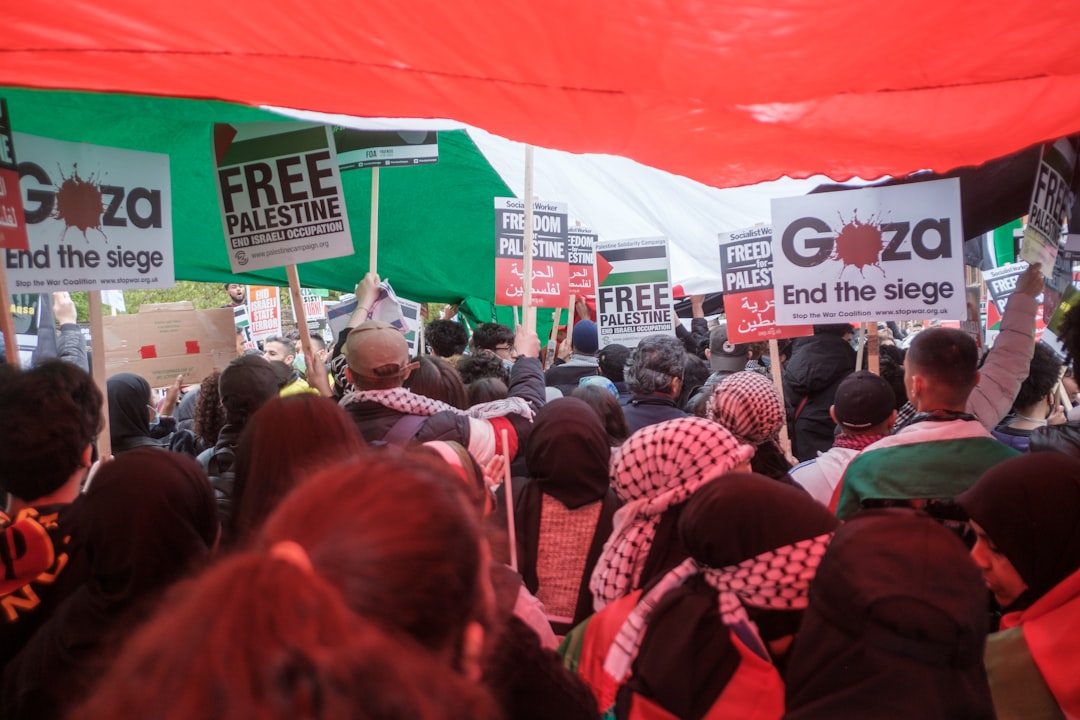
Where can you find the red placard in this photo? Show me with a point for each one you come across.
(751, 317)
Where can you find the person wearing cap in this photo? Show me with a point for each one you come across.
(386, 412)
(582, 363)
(817, 366)
(943, 451)
(725, 358)
(864, 408)
(654, 376)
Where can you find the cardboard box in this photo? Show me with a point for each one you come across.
(163, 341)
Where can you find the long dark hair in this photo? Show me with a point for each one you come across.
(285, 441)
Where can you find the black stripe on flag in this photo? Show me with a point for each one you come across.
(641, 253)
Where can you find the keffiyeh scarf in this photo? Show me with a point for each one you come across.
(658, 467)
(405, 401)
(776, 580)
(747, 404)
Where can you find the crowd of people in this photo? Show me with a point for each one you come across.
(465, 534)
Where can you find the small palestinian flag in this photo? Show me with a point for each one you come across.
(632, 266)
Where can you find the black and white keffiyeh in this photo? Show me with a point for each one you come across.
(657, 468)
(776, 580)
(406, 401)
(748, 405)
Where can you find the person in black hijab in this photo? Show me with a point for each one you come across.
(564, 514)
(147, 520)
(129, 413)
(1026, 516)
(895, 628)
(718, 620)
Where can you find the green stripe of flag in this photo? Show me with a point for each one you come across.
(289, 143)
(635, 278)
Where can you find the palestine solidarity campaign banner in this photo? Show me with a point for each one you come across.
(633, 293)
(280, 194)
(885, 253)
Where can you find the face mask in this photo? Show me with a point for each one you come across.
(300, 363)
(766, 360)
(508, 364)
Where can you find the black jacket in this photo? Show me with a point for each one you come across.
(645, 410)
(1056, 438)
(811, 377)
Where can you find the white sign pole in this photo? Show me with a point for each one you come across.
(373, 259)
(527, 310)
(97, 351)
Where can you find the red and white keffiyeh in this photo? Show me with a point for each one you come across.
(658, 467)
(748, 405)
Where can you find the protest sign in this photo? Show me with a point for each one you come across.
(337, 316)
(313, 304)
(1051, 201)
(163, 341)
(12, 223)
(97, 217)
(582, 243)
(884, 253)
(280, 194)
(1052, 335)
(242, 322)
(550, 272)
(633, 293)
(1001, 284)
(264, 311)
(385, 148)
(746, 272)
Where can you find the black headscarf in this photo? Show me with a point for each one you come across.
(129, 421)
(896, 626)
(568, 452)
(687, 657)
(147, 520)
(1030, 508)
(567, 455)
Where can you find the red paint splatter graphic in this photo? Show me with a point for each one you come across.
(78, 203)
(859, 245)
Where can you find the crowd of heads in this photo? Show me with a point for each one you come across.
(296, 569)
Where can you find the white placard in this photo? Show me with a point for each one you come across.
(633, 290)
(280, 195)
(888, 253)
(97, 218)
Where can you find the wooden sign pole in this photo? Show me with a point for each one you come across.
(300, 313)
(860, 333)
(7, 323)
(778, 381)
(872, 356)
